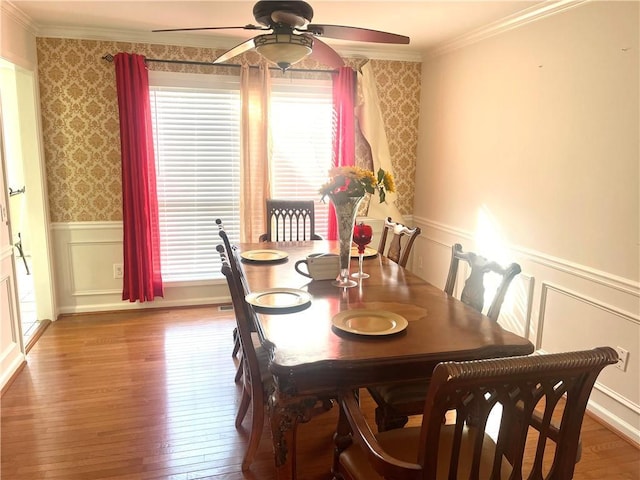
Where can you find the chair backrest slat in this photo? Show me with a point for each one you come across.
(290, 221)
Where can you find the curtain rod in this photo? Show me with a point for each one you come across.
(109, 58)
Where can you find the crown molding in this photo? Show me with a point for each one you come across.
(516, 20)
(372, 53)
(220, 43)
(11, 11)
(133, 36)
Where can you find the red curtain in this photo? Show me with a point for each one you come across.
(142, 274)
(344, 140)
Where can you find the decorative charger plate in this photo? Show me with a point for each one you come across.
(368, 252)
(264, 255)
(279, 298)
(369, 322)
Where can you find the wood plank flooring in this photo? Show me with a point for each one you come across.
(150, 395)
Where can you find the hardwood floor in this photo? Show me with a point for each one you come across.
(150, 395)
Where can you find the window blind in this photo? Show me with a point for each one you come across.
(301, 116)
(196, 130)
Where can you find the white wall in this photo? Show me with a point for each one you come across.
(529, 151)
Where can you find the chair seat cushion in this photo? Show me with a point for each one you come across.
(403, 445)
(402, 393)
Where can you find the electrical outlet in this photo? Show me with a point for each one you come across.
(623, 359)
(118, 270)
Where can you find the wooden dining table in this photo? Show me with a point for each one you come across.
(312, 359)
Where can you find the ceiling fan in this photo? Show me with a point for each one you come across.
(293, 37)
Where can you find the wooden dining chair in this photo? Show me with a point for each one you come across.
(290, 221)
(401, 240)
(257, 382)
(503, 425)
(396, 402)
(473, 292)
(236, 267)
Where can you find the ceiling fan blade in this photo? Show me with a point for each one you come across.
(235, 51)
(246, 27)
(342, 32)
(323, 53)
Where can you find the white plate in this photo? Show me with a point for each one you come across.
(264, 255)
(368, 252)
(369, 322)
(278, 298)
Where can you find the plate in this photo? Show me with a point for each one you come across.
(369, 322)
(278, 298)
(368, 252)
(264, 255)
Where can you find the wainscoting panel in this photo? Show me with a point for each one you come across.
(430, 260)
(85, 254)
(570, 320)
(11, 355)
(563, 306)
(89, 266)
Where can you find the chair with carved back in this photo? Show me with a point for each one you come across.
(257, 382)
(399, 401)
(290, 221)
(401, 240)
(503, 426)
(473, 291)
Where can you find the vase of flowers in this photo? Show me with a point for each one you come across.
(346, 188)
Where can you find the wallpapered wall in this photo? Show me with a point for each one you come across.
(81, 131)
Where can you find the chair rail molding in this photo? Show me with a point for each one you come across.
(606, 279)
(86, 225)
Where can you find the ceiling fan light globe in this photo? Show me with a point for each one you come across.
(283, 49)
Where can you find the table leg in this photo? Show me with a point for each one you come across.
(285, 412)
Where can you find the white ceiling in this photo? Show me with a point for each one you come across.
(429, 24)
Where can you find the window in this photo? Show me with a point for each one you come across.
(196, 127)
(197, 146)
(301, 116)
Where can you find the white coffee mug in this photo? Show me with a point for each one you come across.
(320, 266)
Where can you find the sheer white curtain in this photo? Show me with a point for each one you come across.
(255, 86)
(372, 127)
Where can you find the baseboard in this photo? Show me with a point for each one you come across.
(634, 442)
(8, 383)
(42, 326)
(124, 305)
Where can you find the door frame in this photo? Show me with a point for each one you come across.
(37, 205)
